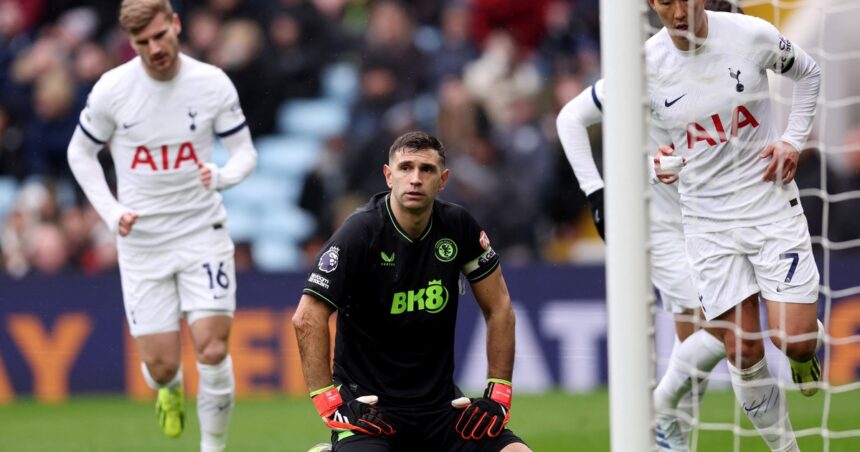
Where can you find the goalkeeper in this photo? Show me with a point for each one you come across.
(392, 272)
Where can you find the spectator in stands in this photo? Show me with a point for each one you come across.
(52, 124)
(566, 36)
(848, 211)
(48, 249)
(11, 142)
(238, 53)
(500, 76)
(388, 42)
(456, 48)
(295, 53)
(524, 20)
(203, 26)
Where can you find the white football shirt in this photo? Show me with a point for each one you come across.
(157, 132)
(587, 109)
(713, 105)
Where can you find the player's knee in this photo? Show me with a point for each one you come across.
(800, 351)
(212, 352)
(743, 353)
(162, 371)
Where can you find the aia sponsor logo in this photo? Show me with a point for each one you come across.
(715, 132)
(165, 158)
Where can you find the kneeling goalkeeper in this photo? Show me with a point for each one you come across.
(392, 272)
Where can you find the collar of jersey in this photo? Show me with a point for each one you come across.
(397, 226)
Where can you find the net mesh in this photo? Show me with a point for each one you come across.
(829, 182)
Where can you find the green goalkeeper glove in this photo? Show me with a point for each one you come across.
(487, 415)
(358, 415)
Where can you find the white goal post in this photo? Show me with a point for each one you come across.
(628, 285)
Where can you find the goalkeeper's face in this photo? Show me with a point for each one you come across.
(683, 20)
(415, 177)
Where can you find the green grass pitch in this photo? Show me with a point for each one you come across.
(553, 422)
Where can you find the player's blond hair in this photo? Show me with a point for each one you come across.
(135, 15)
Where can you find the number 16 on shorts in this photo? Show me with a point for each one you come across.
(220, 278)
(215, 285)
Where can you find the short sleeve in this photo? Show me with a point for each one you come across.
(479, 258)
(96, 119)
(230, 118)
(340, 255)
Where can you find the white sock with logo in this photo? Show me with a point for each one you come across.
(688, 406)
(215, 401)
(698, 354)
(764, 403)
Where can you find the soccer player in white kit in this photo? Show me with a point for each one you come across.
(159, 115)
(746, 235)
(694, 349)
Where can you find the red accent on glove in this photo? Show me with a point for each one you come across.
(327, 402)
(502, 393)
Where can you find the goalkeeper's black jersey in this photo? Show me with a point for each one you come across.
(396, 298)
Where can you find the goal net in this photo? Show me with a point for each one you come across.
(829, 183)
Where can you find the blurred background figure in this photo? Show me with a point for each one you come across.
(327, 83)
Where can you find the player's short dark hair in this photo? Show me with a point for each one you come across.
(417, 141)
(724, 6)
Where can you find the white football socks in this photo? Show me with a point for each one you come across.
(764, 403)
(215, 400)
(698, 354)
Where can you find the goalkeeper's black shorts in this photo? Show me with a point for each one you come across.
(430, 430)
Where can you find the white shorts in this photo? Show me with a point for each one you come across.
(774, 259)
(197, 278)
(670, 273)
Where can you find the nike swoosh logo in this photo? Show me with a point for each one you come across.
(669, 104)
(780, 287)
(128, 125)
(218, 297)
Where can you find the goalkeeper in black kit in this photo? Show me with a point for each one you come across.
(392, 272)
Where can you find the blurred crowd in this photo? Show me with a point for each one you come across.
(488, 77)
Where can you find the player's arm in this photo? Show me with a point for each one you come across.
(82, 155)
(487, 415)
(231, 127)
(492, 296)
(789, 60)
(572, 122)
(312, 333)
(242, 161)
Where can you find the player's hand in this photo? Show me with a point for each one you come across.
(126, 221)
(205, 174)
(663, 177)
(358, 415)
(783, 163)
(595, 201)
(487, 415)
